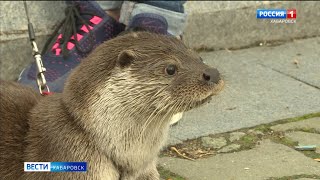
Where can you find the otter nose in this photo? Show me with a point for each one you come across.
(211, 75)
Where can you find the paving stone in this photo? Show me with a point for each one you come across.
(234, 136)
(305, 138)
(44, 15)
(215, 143)
(308, 123)
(229, 148)
(266, 160)
(257, 132)
(254, 93)
(305, 52)
(9, 69)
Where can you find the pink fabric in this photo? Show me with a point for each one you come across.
(70, 45)
(55, 46)
(95, 20)
(79, 37)
(58, 51)
(84, 28)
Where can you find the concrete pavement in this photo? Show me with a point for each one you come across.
(265, 161)
(250, 130)
(263, 84)
(264, 154)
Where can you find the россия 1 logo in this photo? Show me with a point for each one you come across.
(278, 15)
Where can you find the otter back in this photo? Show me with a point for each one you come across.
(16, 101)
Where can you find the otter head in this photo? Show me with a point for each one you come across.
(141, 75)
(164, 75)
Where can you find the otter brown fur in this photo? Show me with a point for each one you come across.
(115, 110)
(16, 102)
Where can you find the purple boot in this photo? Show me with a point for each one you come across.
(85, 27)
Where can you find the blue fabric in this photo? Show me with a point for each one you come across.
(176, 6)
(150, 22)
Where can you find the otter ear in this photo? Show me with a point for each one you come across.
(125, 58)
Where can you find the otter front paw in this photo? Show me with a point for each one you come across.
(149, 175)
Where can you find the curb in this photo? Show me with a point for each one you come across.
(233, 25)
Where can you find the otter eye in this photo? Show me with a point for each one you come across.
(171, 69)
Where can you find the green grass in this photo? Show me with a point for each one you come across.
(248, 141)
(166, 174)
(284, 141)
(266, 127)
(308, 130)
(263, 128)
(307, 116)
(290, 143)
(311, 154)
(295, 177)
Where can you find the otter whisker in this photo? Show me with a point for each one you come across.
(140, 110)
(152, 117)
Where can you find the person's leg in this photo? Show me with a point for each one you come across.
(86, 26)
(171, 11)
(112, 8)
(176, 6)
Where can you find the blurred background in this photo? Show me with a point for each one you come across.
(211, 26)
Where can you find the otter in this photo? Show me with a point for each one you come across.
(16, 101)
(114, 112)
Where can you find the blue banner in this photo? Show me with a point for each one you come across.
(68, 167)
(55, 166)
(271, 14)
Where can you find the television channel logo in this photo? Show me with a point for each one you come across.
(278, 15)
(55, 166)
